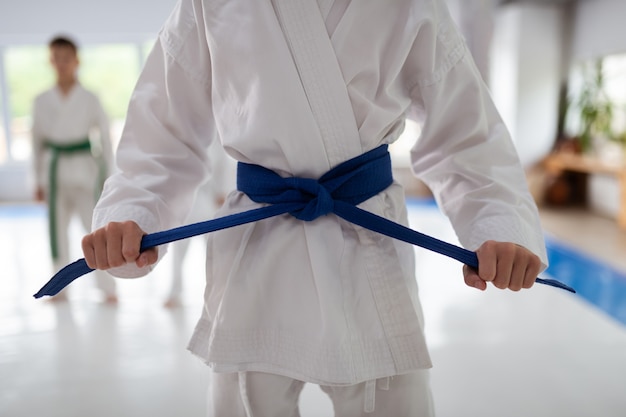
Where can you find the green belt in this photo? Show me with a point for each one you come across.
(57, 150)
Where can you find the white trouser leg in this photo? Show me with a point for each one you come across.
(399, 396)
(64, 211)
(253, 394)
(84, 203)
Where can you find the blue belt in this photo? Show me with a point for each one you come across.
(338, 191)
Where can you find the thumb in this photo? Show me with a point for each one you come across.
(147, 257)
(472, 279)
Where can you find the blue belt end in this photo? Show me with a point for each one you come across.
(63, 278)
(556, 284)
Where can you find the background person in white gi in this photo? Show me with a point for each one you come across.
(300, 86)
(72, 155)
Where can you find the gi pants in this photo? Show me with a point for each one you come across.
(257, 394)
(70, 200)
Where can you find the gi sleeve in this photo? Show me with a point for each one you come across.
(465, 154)
(162, 154)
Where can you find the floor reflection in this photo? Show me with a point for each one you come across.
(542, 352)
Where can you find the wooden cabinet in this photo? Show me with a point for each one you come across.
(559, 162)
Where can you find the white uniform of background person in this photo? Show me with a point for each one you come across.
(65, 120)
(299, 86)
(210, 196)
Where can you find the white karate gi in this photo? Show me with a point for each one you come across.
(322, 301)
(205, 205)
(65, 120)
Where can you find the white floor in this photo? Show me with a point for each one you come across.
(541, 352)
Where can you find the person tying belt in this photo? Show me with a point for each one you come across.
(339, 191)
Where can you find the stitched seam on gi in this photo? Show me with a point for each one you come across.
(313, 59)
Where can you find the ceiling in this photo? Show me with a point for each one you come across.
(535, 1)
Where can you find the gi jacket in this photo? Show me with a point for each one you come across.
(298, 86)
(65, 120)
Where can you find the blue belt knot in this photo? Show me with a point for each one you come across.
(311, 197)
(351, 182)
(319, 201)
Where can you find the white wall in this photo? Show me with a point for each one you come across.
(526, 74)
(599, 29)
(504, 65)
(35, 21)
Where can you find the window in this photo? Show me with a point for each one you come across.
(28, 74)
(4, 112)
(601, 86)
(3, 140)
(109, 71)
(615, 87)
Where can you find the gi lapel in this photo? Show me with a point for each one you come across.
(325, 6)
(325, 88)
(321, 77)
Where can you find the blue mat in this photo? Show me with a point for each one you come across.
(12, 211)
(595, 281)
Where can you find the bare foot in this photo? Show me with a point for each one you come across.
(111, 299)
(172, 302)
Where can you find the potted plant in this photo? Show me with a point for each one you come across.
(595, 108)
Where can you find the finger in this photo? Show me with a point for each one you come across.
(505, 261)
(131, 242)
(114, 250)
(518, 275)
(100, 249)
(487, 261)
(472, 279)
(88, 251)
(147, 257)
(532, 270)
